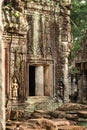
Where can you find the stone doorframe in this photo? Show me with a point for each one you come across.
(44, 77)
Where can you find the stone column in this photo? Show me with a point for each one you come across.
(64, 46)
(39, 81)
(80, 87)
(2, 86)
(84, 87)
(66, 82)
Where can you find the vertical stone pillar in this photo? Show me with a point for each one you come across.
(66, 81)
(64, 46)
(6, 67)
(80, 87)
(39, 81)
(84, 87)
(49, 80)
(2, 86)
(35, 33)
(46, 81)
(43, 35)
(51, 85)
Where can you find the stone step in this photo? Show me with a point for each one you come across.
(34, 103)
(40, 103)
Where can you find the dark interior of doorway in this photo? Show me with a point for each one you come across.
(31, 80)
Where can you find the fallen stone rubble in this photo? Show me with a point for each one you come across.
(45, 124)
(64, 117)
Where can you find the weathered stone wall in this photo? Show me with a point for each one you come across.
(16, 67)
(15, 26)
(81, 64)
(49, 36)
(2, 90)
(82, 53)
(47, 24)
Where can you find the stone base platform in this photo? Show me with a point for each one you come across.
(23, 109)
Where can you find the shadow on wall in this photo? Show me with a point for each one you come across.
(73, 97)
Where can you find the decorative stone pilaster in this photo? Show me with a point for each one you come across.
(35, 33)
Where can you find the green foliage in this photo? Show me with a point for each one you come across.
(11, 16)
(8, 5)
(16, 14)
(74, 70)
(78, 23)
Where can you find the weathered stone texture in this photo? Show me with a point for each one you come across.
(2, 90)
(81, 64)
(40, 37)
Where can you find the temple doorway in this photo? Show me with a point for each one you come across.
(36, 80)
(40, 80)
(31, 80)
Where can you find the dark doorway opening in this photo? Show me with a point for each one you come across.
(31, 80)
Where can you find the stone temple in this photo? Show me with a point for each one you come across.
(81, 64)
(37, 41)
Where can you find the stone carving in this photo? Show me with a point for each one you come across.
(47, 38)
(14, 89)
(30, 35)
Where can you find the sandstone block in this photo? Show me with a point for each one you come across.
(82, 114)
(71, 128)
